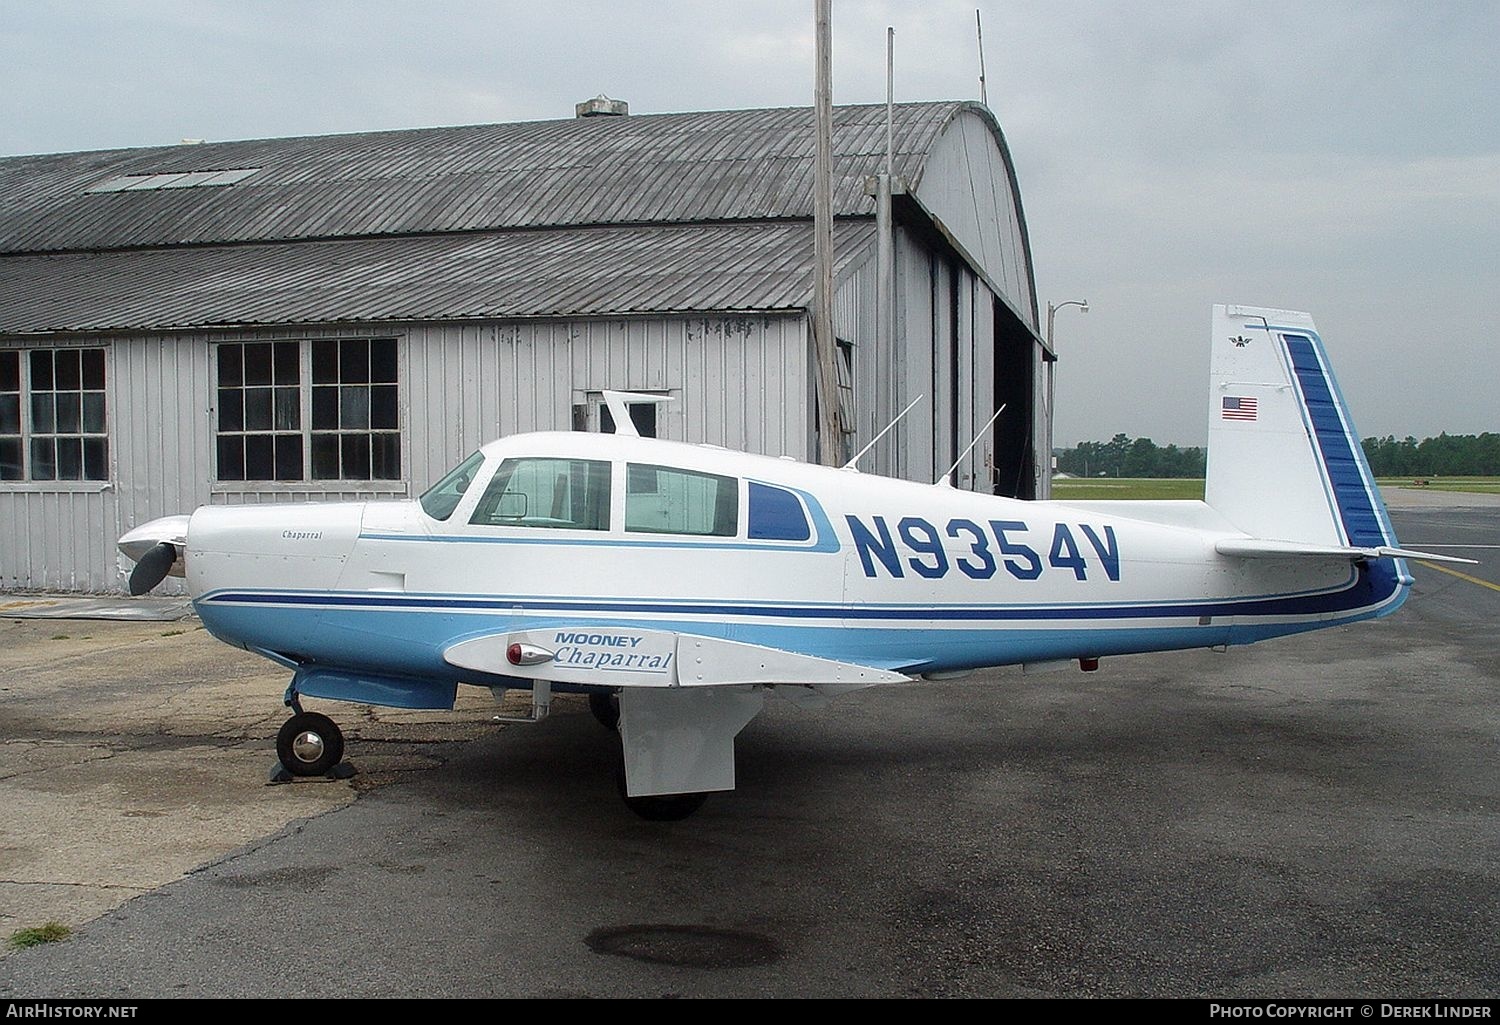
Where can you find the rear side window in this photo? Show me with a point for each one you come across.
(563, 494)
(776, 515)
(667, 500)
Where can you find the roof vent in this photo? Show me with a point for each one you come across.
(602, 106)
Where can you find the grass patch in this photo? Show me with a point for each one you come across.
(1101, 489)
(173, 633)
(1470, 485)
(49, 933)
(59, 637)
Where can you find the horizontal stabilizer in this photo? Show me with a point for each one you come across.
(1255, 548)
(610, 656)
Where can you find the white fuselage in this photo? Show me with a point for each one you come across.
(825, 562)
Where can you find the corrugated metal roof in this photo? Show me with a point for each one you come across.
(586, 271)
(655, 168)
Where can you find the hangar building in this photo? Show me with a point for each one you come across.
(345, 317)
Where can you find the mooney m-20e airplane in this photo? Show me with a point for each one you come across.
(680, 584)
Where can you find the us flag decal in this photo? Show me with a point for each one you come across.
(1238, 407)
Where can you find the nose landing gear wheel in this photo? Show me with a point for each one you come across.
(309, 744)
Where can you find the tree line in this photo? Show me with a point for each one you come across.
(1123, 456)
(1447, 455)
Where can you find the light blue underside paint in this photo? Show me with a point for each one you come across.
(404, 647)
(374, 689)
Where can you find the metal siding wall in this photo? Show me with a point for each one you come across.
(715, 382)
(966, 185)
(57, 539)
(53, 540)
(848, 301)
(941, 355)
(15, 534)
(732, 371)
(162, 433)
(159, 432)
(737, 381)
(777, 412)
(741, 382)
(984, 385)
(1042, 425)
(914, 319)
(854, 321)
(1017, 274)
(968, 421)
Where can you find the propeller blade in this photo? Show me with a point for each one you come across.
(152, 568)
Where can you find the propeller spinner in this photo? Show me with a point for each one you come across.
(157, 550)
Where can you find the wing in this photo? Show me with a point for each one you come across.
(683, 697)
(624, 657)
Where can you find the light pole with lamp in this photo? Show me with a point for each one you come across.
(1052, 308)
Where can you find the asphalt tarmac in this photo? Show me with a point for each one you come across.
(1313, 816)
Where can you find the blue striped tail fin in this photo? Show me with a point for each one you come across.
(1284, 459)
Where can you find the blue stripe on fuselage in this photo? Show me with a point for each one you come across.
(1344, 598)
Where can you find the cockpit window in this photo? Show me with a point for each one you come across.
(665, 500)
(442, 498)
(564, 494)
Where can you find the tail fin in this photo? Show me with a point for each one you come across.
(1284, 461)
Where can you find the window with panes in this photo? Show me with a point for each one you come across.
(319, 410)
(53, 415)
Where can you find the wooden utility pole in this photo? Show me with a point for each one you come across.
(830, 427)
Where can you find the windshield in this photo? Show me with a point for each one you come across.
(442, 498)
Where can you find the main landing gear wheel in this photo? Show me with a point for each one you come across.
(666, 807)
(606, 708)
(661, 807)
(309, 744)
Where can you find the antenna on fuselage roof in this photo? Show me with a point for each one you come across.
(943, 481)
(619, 403)
(850, 464)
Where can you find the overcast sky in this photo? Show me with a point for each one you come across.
(1340, 158)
